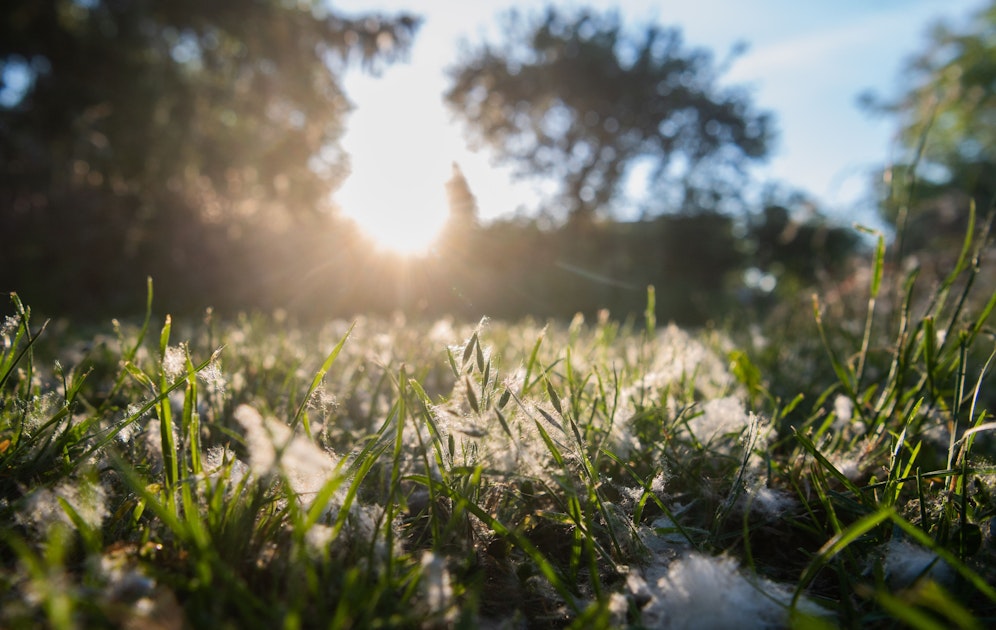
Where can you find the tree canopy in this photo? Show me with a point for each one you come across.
(129, 126)
(574, 97)
(202, 99)
(947, 123)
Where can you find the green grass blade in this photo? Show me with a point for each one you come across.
(557, 456)
(843, 376)
(190, 422)
(922, 538)
(545, 566)
(838, 543)
(826, 464)
(911, 616)
(532, 362)
(317, 381)
(8, 368)
(171, 468)
(650, 313)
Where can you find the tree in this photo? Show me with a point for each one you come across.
(947, 123)
(143, 131)
(458, 243)
(574, 98)
(461, 201)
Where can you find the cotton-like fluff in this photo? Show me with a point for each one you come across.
(221, 464)
(41, 409)
(174, 362)
(853, 462)
(42, 509)
(768, 502)
(905, 563)
(846, 423)
(437, 589)
(7, 330)
(705, 592)
(677, 358)
(719, 417)
(152, 439)
(843, 408)
(483, 439)
(274, 448)
(684, 357)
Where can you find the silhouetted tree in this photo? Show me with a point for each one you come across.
(144, 135)
(461, 201)
(574, 98)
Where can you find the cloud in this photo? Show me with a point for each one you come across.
(807, 51)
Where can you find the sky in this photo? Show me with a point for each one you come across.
(806, 62)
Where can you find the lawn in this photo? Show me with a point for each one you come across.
(831, 466)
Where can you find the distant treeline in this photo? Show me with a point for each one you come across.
(199, 144)
(704, 267)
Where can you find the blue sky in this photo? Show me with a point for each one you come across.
(807, 62)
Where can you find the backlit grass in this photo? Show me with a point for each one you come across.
(252, 473)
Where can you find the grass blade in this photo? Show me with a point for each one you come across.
(317, 381)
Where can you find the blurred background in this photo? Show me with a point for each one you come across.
(502, 159)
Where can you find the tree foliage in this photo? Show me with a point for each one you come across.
(127, 125)
(947, 124)
(575, 98)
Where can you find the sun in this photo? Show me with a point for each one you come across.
(401, 154)
(400, 207)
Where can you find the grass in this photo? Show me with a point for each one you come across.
(251, 473)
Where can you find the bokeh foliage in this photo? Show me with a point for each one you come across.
(199, 145)
(947, 125)
(575, 97)
(141, 137)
